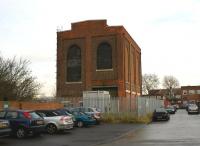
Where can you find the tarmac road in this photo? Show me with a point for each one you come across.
(181, 130)
(89, 136)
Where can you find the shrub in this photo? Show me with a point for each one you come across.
(125, 118)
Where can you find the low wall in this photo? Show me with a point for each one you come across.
(31, 105)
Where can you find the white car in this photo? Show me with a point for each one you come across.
(193, 108)
(55, 122)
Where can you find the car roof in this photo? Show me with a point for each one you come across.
(17, 110)
(51, 110)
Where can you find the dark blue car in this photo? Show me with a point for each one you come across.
(23, 123)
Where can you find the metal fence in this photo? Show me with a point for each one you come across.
(139, 105)
(148, 104)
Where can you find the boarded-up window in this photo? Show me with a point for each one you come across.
(104, 56)
(74, 64)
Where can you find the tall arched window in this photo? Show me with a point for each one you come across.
(104, 56)
(74, 64)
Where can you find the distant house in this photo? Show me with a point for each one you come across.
(175, 93)
(173, 97)
(180, 96)
(190, 93)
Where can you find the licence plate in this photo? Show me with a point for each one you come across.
(40, 122)
(2, 125)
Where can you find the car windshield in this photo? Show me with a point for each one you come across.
(192, 105)
(82, 113)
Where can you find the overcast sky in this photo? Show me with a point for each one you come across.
(167, 31)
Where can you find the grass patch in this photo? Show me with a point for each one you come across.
(126, 118)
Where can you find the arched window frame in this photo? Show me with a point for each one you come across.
(74, 58)
(107, 62)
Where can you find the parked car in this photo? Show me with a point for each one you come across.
(193, 108)
(170, 109)
(54, 121)
(4, 128)
(67, 113)
(160, 114)
(94, 112)
(23, 122)
(83, 119)
(176, 107)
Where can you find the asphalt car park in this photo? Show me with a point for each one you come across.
(181, 130)
(88, 136)
(171, 132)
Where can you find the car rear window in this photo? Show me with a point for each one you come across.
(90, 110)
(49, 113)
(2, 114)
(34, 115)
(12, 115)
(160, 110)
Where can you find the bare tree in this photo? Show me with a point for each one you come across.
(149, 82)
(16, 81)
(170, 82)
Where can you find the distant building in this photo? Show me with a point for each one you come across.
(169, 98)
(180, 96)
(94, 56)
(190, 93)
(175, 93)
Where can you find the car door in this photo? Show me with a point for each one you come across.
(12, 116)
(17, 120)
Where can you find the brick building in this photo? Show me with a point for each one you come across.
(165, 94)
(190, 93)
(181, 96)
(95, 56)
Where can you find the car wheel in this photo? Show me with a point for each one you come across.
(80, 124)
(21, 133)
(97, 122)
(51, 128)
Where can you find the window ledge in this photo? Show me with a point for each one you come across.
(104, 69)
(73, 82)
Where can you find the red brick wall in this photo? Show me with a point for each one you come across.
(126, 73)
(32, 105)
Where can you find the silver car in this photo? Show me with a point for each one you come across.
(55, 122)
(193, 108)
